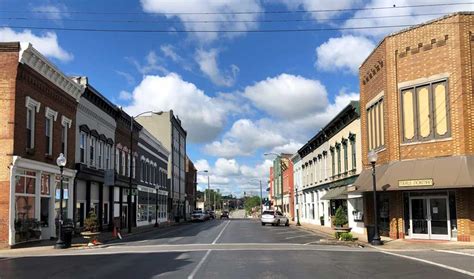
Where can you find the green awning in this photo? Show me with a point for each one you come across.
(339, 193)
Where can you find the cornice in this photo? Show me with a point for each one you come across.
(35, 60)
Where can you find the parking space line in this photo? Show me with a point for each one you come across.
(455, 252)
(198, 266)
(299, 236)
(430, 262)
(285, 232)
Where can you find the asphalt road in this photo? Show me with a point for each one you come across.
(237, 248)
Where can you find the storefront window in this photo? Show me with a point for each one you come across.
(58, 196)
(27, 227)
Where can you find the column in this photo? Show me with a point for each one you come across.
(101, 205)
(88, 197)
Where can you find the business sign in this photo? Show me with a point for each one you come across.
(415, 182)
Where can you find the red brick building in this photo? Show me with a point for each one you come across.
(38, 106)
(288, 189)
(417, 113)
(191, 184)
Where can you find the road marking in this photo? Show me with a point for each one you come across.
(217, 238)
(299, 236)
(285, 232)
(196, 269)
(455, 252)
(430, 262)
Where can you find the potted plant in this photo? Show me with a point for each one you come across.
(340, 219)
(321, 220)
(91, 228)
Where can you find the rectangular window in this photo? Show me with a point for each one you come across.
(375, 125)
(425, 112)
(82, 148)
(142, 170)
(333, 163)
(49, 135)
(353, 153)
(64, 140)
(92, 151)
(134, 162)
(100, 154)
(346, 158)
(124, 165)
(338, 151)
(117, 161)
(107, 157)
(128, 164)
(30, 119)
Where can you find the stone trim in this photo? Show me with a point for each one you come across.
(50, 113)
(66, 121)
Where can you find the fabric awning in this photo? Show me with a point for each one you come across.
(445, 172)
(339, 193)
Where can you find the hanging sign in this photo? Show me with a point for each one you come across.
(415, 182)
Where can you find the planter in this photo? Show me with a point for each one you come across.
(91, 236)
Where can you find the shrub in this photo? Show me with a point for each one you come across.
(345, 236)
(340, 219)
(91, 224)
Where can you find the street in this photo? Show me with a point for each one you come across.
(235, 248)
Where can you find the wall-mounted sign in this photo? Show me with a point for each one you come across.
(415, 182)
(351, 188)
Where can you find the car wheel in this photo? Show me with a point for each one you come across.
(278, 223)
(287, 224)
(273, 225)
(263, 224)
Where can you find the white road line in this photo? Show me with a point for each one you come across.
(430, 262)
(196, 269)
(455, 252)
(285, 232)
(298, 236)
(223, 229)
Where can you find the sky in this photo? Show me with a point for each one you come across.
(263, 78)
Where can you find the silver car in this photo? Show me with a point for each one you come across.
(274, 217)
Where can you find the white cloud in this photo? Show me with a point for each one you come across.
(202, 116)
(288, 96)
(207, 61)
(222, 16)
(415, 15)
(170, 52)
(317, 5)
(53, 12)
(47, 43)
(125, 95)
(153, 64)
(128, 77)
(333, 55)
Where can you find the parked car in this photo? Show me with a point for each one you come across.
(198, 215)
(212, 214)
(225, 215)
(275, 218)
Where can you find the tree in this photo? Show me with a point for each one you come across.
(340, 219)
(250, 203)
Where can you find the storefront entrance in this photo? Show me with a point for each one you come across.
(429, 217)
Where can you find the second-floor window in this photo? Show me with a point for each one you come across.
(375, 125)
(107, 157)
(32, 107)
(82, 148)
(117, 160)
(346, 156)
(49, 135)
(353, 152)
(124, 165)
(333, 162)
(100, 154)
(134, 162)
(425, 112)
(92, 151)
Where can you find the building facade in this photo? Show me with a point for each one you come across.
(281, 180)
(153, 185)
(330, 164)
(166, 127)
(95, 137)
(38, 108)
(297, 183)
(416, 114)
(288, 188)
(125, 178)
(191, 187)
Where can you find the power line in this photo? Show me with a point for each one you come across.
(220, 21)
(249, 12)
(216, 31)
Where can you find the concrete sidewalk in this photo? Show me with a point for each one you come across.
(395, 244)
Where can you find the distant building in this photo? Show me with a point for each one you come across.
(167, 128)
(191, 186)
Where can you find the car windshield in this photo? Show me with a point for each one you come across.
(268, 212)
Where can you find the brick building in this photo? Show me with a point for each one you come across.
(417, 109)
(191, 184)
(38, 105)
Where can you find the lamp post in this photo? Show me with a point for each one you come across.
(61, 162)
(373, 159)
(129, 196)
(297, 208)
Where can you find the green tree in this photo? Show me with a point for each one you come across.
(340, 219)
(251, 202)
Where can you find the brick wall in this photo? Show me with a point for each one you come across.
(8, 72)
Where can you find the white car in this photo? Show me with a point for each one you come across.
(274, 217)
(199, 215)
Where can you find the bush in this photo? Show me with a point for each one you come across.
(345, 236)
(340, 219)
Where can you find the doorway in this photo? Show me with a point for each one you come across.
(429, 217)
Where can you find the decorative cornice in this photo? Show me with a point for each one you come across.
(92, 114)
(35, 60)
(50, 113)
(66, 121)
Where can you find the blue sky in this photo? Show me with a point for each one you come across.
(239, 95)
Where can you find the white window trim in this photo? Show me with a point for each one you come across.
(66, 121)
(134, 163)
(34, 106)
(50, 113)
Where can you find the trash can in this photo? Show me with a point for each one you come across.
(67, 231)
(370, 233)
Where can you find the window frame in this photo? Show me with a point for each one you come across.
(34, 107)
(50, 118)
(375, 124)
(83, 148)
(432, 112)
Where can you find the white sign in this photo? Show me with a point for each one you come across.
(415, 182)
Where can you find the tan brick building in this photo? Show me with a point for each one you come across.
(38, 106)
(417, 113)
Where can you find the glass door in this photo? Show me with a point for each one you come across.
(438, 209)
(419, 218)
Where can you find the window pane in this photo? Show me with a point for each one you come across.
(375, 112)
(20, 184)
(369, 129)
(424, 112)
(45, 183)
(381, 125)
(408, 116)
(441, 121)
(24, 207)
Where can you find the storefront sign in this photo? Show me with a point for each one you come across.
(351, 188)
(415, 182)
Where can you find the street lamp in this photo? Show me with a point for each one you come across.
(281, 175)
(261, 196)
(129, 196)
(61, 162)
(297, 208)
(373, 159)
(208, 189)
